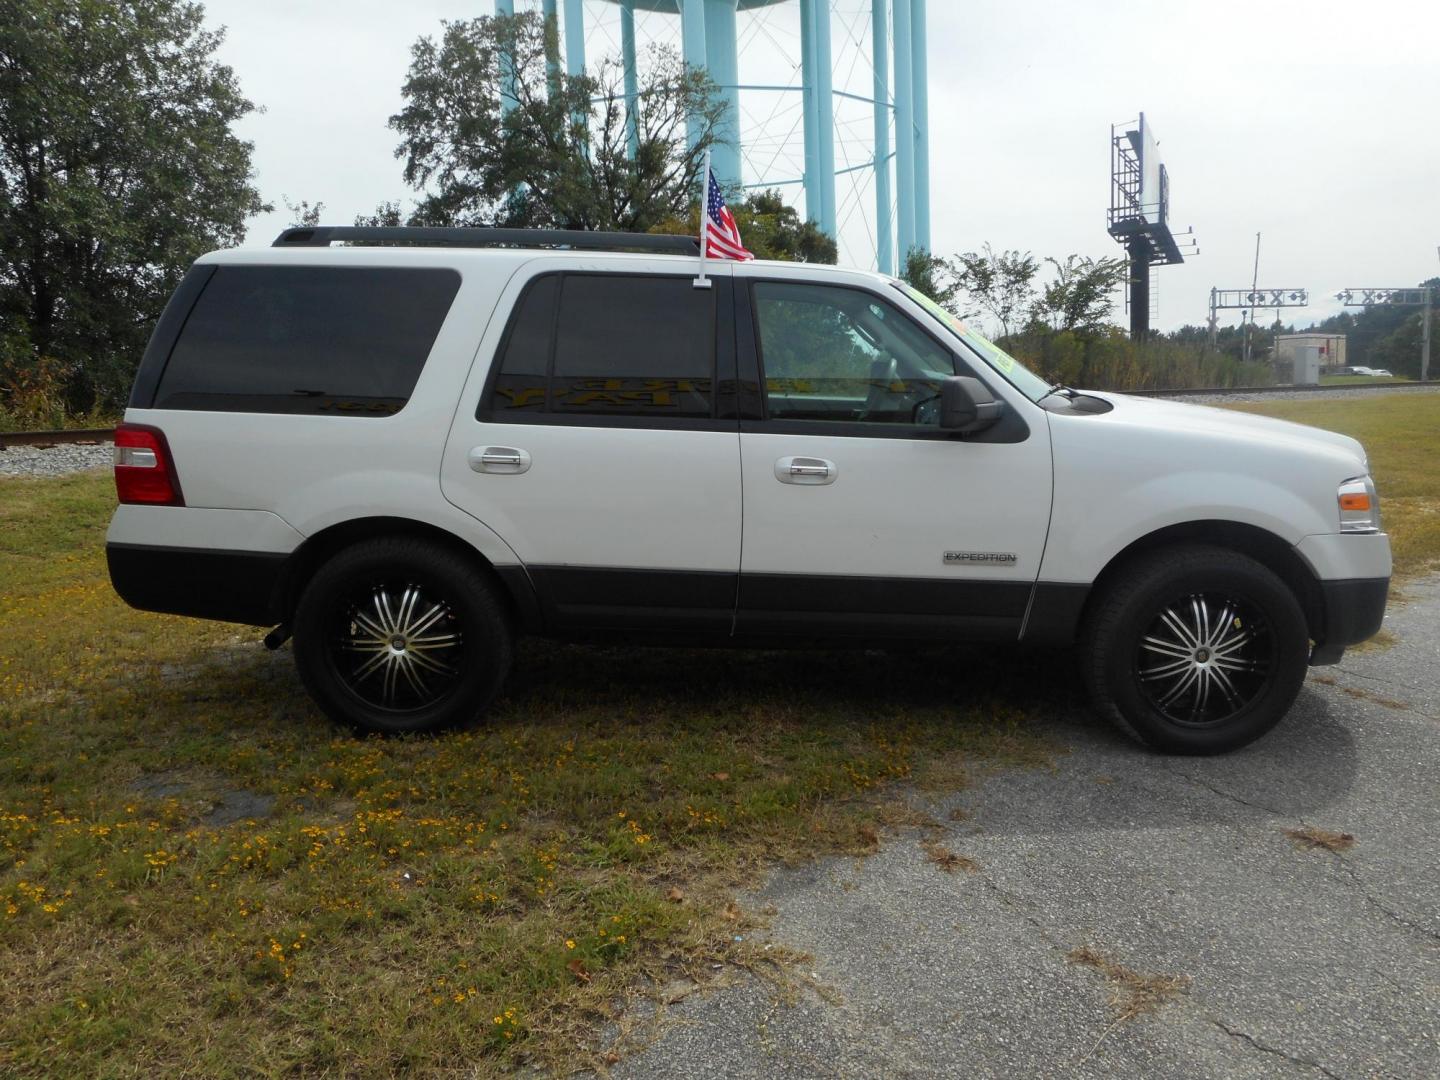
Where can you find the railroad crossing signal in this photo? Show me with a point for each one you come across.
(1251, 299)
(1421, 298)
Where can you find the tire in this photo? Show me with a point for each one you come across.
(1195, 650)
(401, 635)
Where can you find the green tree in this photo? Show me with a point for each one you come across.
(118, 166)
(1001, 283)
(303, 214)
(559, 158)
(773, 229)
(1081, 297)
(769, 228)
(932, 275)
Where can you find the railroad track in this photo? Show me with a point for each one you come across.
(1222, 391)
(93, 435)
(71, 437)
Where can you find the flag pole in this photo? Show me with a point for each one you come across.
(702, 282)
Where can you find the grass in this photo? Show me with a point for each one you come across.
(1362, 380)
(200, 876)
(1401, 433)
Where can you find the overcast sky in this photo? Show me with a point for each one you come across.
(1311, 122)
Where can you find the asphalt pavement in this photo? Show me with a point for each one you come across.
(1284, 960)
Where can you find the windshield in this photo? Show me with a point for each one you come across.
(1014, 372)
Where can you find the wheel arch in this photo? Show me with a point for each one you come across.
(1264, 547)
(512, 582)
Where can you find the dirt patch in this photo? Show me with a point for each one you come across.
(948, 860)
(1309, 838)
(1131, 993)
(208, 798)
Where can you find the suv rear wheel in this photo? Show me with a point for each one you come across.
(399, 634)
(1195, 650)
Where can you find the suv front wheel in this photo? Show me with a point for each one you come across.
(1195, 650)
(398, 634)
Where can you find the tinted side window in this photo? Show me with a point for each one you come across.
(612, 345)
(525, 359)
(844, 355)
(329, 340)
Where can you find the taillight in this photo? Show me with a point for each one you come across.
(144, 469)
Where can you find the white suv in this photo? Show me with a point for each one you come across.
(412, 449)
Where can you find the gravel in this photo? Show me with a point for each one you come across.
(54, 460)
(1299, 395)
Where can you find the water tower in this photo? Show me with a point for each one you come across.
(826, 102)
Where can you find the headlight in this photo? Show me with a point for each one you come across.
(1359, 506)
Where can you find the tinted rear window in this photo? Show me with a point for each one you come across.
(613, 345)
(329, 340)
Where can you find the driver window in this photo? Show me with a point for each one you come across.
(839, 354)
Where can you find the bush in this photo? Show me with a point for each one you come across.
(32, 392)
(1108, 360)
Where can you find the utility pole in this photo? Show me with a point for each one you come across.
(1213, 317)
(1254, 287)
(1425, 337)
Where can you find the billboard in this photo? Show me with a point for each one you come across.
(1152, 176)
(1154, 195)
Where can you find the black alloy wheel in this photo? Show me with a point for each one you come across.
(400, 634)
(1194, 649)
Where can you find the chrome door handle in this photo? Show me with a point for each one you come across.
(805, 470)
(498, 459)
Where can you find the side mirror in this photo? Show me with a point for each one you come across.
(966, 405)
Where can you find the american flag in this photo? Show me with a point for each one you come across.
(722, 237)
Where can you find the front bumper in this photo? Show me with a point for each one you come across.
(1354, 611)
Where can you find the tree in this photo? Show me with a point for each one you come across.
(932, 275)
(770, 228)
(774, 230)
(559, 158)
(1081, 296)
(1002, 284)
(118, 166)
(304, 214)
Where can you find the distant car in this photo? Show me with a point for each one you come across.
(1381, 373)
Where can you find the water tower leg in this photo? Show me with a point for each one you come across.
(904, 134)
(880, 49)
(919, 74)
(575, 37)
(506, 8)
(692, 34)
(825, 105)
(725, 70)
(550, 14)
(812, 123)
(632, 86)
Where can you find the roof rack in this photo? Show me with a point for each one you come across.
(325, 235)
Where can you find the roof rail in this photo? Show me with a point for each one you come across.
(325, 235)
